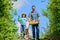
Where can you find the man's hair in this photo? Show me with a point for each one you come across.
(23, 14)
(33, 5)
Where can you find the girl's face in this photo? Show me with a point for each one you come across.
(23, 16)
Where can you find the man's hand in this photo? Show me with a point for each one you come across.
(29, 19)
(38, 19)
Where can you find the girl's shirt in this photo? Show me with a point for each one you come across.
(23, 21)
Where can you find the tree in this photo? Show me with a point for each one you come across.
(53, 13)
(7, 27)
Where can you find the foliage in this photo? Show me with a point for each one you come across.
(42, 35)
(53, 13)
(7, 27)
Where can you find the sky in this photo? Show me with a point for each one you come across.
(25, 6)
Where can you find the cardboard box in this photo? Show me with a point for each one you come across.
(33, 22)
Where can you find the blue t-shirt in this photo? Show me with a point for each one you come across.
(23, 21)
(34, 15)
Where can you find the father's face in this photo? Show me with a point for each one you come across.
(33, 8)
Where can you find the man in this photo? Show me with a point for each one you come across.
(35, 17)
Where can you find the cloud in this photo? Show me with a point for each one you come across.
(19, 3)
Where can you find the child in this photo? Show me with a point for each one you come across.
(23, 24)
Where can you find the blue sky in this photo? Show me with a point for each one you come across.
(25, 6)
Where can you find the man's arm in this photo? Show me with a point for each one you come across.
(38, 17)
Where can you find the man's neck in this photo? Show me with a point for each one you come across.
(33, 10)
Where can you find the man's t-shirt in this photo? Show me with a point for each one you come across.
(34, 15)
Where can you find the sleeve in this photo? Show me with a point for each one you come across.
(38, 15)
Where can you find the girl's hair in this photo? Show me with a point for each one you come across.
(23, 14)
(33, 5)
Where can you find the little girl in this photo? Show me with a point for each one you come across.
(24, 27)
(23, 24)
